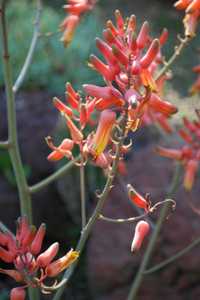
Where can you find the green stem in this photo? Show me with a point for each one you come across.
(139, 276)
(82, 190)
(25, 200)
(31, 50)
(58, 174)
(175, 55)
(173, 258)
(86, 231)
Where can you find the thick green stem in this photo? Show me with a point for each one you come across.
(25, 200)
(86, 231)
(145, 260)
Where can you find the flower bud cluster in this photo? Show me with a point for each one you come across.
(31, 267)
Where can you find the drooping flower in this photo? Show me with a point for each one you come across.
(141, 230)
(189, 154)
(29, 264)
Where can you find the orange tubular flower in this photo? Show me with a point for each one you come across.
(30, 266)
(189, 154)
(141, 230)
(192, 10)
(103, 133)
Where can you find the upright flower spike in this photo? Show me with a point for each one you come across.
(29, 264)
(103, 133)
(141, 230)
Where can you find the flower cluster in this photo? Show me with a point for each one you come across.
(74, 8)
(192, 16)
(189, 154)
(31, 266)
(131, 63)
(130, 90)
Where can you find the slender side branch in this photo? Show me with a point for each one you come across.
(31, 50)
(139, 276)
(173, 258)
(4, 228)
(178, 49)
(25, 200)
(59, 173)
(137, 218)
(86, 231)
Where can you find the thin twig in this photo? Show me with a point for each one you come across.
(135, 219)
(31, 50)
(178, 49)
(58, 174)
(173, 258)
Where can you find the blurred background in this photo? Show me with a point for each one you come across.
(107, 267)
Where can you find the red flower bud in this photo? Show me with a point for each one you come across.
(163, 37)
(141, 230)
(76, 134)
(47, 256)
(6, 255)
(17, 294)
(38, 240)
(102, 68)
(162, 106)
(143, 35)
(137, 199)
(62, 107)
(106, 51)
(151, 54)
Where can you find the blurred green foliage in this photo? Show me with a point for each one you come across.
(52, 64)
